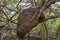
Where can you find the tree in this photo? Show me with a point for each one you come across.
(30, 17)
(31, 14)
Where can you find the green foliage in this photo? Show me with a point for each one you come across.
(12, 1)
(52, 24)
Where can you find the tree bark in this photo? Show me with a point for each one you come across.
(29, 18)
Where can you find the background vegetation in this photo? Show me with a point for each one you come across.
(9, 11)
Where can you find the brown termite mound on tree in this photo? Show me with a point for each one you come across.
(27, 20)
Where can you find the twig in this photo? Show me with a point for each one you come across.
(5, 14)
(51, 17)
(57, 33)
(8, 8)
(46, 31)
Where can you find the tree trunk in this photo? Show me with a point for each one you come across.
(30, 17)
(27, 20)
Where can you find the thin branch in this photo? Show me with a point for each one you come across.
(17, 9)
(2, 17)
(14, 19)
(5, 14)
(57, 33)
(6, 20)
(8, 8)
(18, 4)
(16, 14)
(45, 6)
(46, 31)
(51, 17)
(10, 26)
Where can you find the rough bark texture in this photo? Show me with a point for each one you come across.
(30, 17)
(27, 19)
